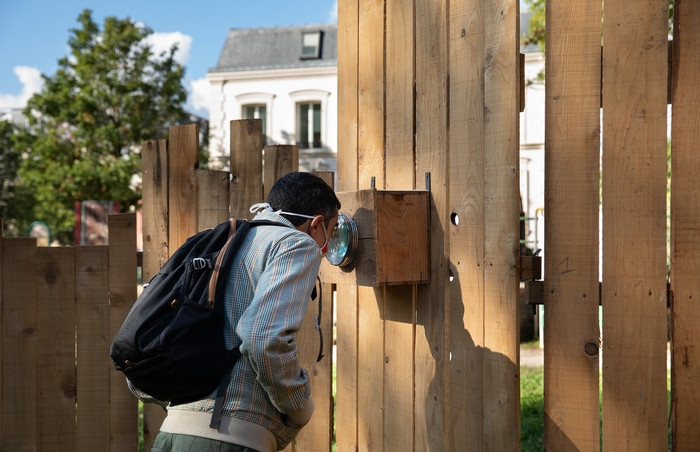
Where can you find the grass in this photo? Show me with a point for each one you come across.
(531, 409)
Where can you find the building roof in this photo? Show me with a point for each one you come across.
(275, 48)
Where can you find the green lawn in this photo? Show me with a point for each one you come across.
(531, 409)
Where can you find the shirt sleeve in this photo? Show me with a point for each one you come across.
(268, 327)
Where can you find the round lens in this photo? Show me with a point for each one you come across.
(342, 244)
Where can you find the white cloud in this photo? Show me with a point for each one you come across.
(162, 42)
(333, 15)
(32, 82)
(200, 95)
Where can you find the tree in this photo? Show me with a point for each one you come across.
(87, 123)
(12, 197)
(535, 33)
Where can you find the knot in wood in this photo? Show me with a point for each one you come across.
(590, 348)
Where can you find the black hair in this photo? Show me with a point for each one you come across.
(303, 193)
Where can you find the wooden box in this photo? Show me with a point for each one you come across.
(394, 239)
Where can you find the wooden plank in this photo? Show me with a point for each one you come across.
(19, 341)
(370, 149)
(280, 159)
(56, 360)
(154, 164)
(93, 341)
(634, 225)
(122, 294)
(346, 296)
(572, 178)
(466, 224)
(370, 88)
(213, 195)
(685, 226)
(155, 246)
(348, 54)
(431, 110)
(400, 301)
(400, 63)
(246, 166)
(501, 247)
(317, 435)
(347, 330)
(183, 159)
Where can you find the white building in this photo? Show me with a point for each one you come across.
(532, 150)
(286, 76)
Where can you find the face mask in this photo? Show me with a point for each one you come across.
(265, 207)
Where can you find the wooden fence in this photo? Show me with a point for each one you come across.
(429, 95)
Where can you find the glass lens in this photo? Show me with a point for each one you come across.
(338, 242)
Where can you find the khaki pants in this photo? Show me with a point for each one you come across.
(170, 442)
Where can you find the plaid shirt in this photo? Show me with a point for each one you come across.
(267, 293)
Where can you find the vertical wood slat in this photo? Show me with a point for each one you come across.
(400, 301)
(634, 208)
(685, 226)
(94, 368)
(280, 159)
(154, 168)
(467, 226)
(122, 294)
(155, 246)
(246, 166)
(432, 313)
(183, 157)
(348, 75)
(572, 178)
(346, 296)
(501, 207)
(318, 434)
(399, 117)
(370, 148)
(213, 194)
(55, 276)
(19, 343)
(370, 89)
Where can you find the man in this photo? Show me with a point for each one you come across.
(270, 283)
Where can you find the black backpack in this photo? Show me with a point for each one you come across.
(171, 344)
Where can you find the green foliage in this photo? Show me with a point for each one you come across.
(87, 124)
(12, 195)
(531, 409)
(536, 32)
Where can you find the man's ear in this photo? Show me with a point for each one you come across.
(317, 221)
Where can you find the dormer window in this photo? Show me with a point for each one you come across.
(310, 45)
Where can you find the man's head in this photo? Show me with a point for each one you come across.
(307, 195)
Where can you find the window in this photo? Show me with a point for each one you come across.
(257, 111)
(309, 125)
(311, 45)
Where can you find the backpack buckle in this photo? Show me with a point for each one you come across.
(199, 263)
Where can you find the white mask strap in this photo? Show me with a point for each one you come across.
(265, 207)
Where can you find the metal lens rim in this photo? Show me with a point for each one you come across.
(353, 239)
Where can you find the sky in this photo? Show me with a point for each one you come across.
(34, 34)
